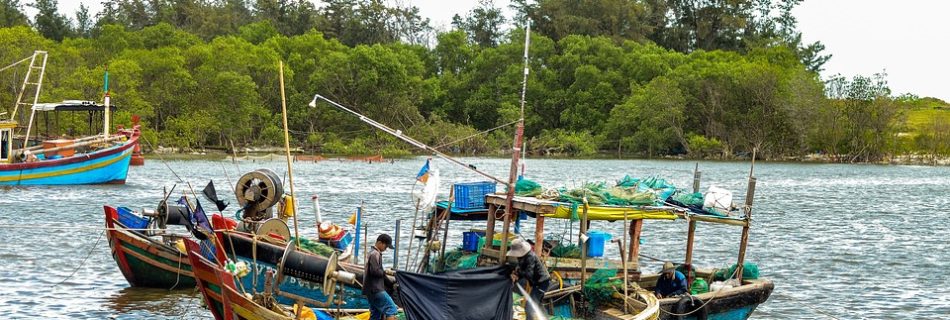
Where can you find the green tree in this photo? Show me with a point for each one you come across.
(11, 14)
(49, 22)
(483, 24)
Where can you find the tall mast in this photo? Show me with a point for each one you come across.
(106, 99)
(524, 90)
(516, 148)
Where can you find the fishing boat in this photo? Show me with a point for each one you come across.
(95, 159)
(147, 257)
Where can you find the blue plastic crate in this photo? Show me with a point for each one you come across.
(131, 220)
(471, 195)
(470, 240)
(596, 242)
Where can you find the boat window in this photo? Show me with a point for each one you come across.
(5, 144)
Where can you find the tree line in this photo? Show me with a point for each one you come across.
(648, 78)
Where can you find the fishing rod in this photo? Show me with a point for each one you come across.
(399, 134)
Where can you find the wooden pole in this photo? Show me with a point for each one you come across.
(412, 234)
(689, 252)
(582, 236)
(623, 258)
(636, 226)
(539, 234)
(697, 176)
(750, 193)
(396, 247)
(490, 226)
(509, 211)
(445, 235)
(290, 167)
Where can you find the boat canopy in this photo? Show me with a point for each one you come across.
(72, 105)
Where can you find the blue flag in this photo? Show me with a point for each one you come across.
(423, 175)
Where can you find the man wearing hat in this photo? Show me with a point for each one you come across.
(671, 282)
(381, 305)
(531, 269)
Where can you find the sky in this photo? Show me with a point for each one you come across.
(907, 39)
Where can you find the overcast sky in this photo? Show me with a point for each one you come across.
(906, 38)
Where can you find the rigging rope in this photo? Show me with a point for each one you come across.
(476, 134)
(83, 260)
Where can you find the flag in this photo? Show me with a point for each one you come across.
(196, 219)
(423, 175)
(212, 195)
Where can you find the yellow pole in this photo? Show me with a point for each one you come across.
(290, 168)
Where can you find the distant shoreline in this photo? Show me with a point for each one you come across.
(268, 155)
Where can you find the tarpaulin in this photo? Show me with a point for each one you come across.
(475, 294)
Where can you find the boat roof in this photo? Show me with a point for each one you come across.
(72, 105)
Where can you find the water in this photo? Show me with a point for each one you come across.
(854, 241)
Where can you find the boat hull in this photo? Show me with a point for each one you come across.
(143, 261)
(728, 304)
(297, 282)
(220, 292)
(107, 166)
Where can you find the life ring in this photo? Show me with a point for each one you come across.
(690, 306)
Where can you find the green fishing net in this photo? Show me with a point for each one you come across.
(455, 259)
(750, 271)
(314, 247)
(600, 287)
(566, 251)
(699, 286)
(688, 198)
(527, 188)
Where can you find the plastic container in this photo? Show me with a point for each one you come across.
(595, 243)
(471, 195)
(470, 240)
(718, 198)
(130, 220)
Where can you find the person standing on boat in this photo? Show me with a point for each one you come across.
(381, 305)
(671, 282)
(531, 269)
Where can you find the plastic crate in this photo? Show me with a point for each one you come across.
(471, 195)
(470, 240)
(131, 220)
(596, 242)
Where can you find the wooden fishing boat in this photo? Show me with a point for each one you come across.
(95, 159)
(303, 278)
(221, 294)
(736, 302)
(146, 261)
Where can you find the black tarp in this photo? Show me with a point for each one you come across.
(475, 294)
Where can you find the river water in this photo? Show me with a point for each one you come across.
(851, 241)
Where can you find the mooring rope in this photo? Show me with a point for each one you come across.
(83, 260)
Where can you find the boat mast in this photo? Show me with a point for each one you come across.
(106, 99)
(516, 150)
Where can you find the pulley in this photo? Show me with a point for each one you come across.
(257, 192)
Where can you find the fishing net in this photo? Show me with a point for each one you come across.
(455, 259)
(314, 247)
(566, 251)
(600, 287)
(699, 286)
(527, 188)
(750, 271)
(688, 198)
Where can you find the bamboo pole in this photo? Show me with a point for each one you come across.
(445, 235)
(636, 226)
(99, 139)
(583, 236)
(623, 258)
(750, 193)
(539, 235)
(412, 234)
(290, 167)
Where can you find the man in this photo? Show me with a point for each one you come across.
(531, 269)
(381, 305)
(671, 282)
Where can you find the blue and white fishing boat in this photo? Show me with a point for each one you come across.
(95, 159)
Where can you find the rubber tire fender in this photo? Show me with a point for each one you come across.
(687, 304)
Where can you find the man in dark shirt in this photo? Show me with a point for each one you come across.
(531, 269)
(381, 305)
(671, 282)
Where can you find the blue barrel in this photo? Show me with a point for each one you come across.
(596, 242)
